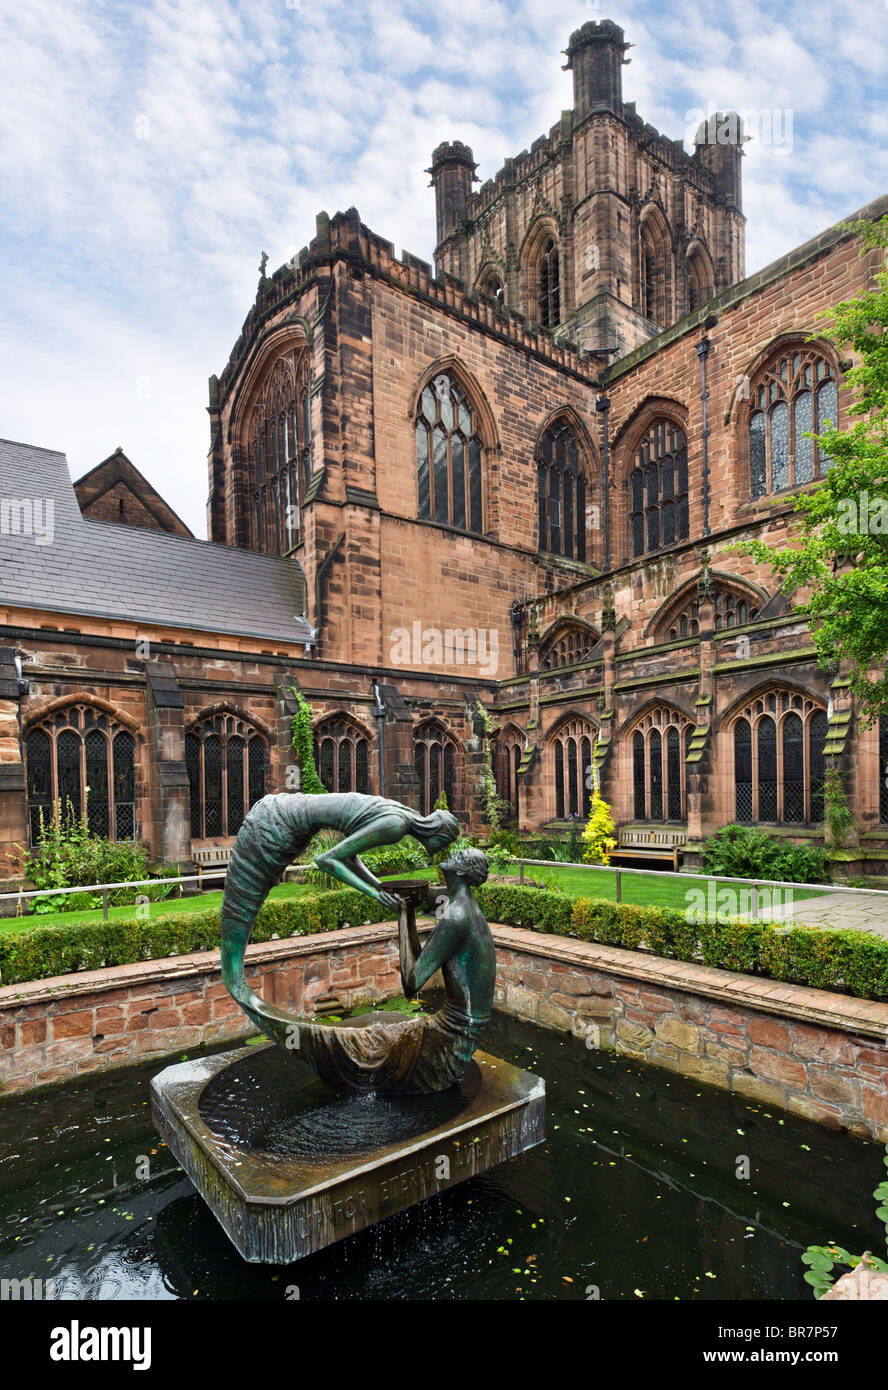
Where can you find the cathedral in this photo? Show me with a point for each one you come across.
(483, 515)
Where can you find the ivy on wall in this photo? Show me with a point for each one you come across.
(303, 745)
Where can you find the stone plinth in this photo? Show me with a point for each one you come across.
(293, 1188)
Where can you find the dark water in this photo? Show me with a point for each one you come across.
(274, 1103)
(635, 1189)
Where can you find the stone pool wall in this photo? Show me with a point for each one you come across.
(821, 1055)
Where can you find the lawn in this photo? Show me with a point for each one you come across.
(576, 881)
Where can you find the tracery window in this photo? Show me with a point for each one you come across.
(561, 493)
(342, 756)
(659, 748)
(434, 760)
(731, 610)
(572, 747)
(549, 299)
(659, 484)
(779, 769)
(84, 759)
(795, 395)
(226, 762)
(448, 457)
(567, 647)
(279, 447)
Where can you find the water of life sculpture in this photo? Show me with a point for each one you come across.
(294, 1147)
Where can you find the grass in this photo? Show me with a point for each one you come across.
(577, 883)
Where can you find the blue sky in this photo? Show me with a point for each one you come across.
(150, 152)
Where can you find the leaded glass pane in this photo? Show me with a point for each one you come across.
(827, 415)
(68, 772)
(345, 765)
(98, 816)
(192, 764)
(559, 780)
(573, 789)
(213, 784)
(476, 514)
(434, 773)
(429, 405)
(803, 416)
(793, 769)
(673, 774)
(757, 477)
(457, 468)
(543, 500)
(585, 779)
(38, 751)
(123, 750)
(655, 751)
(256, 769)
(638, 776)
(362, 780)
(439, 448)
(779, 425)
(743, 772)
(450, 775)
(767, 769)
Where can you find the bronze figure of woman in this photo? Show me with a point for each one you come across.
(419, 1054)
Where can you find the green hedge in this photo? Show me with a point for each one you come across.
(61, 949)
(854, 962)
(851, 961)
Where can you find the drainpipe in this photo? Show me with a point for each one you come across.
(602, 404)
(379, 713)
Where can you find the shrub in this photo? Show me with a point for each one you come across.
(741, 851)
(59, 950)
(68, 854)
(598, 836)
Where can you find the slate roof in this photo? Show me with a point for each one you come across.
(109, 570)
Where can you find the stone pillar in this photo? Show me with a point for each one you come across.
(169, 794)
(13, 795)
(398, 774)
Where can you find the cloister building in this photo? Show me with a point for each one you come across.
(514, 481)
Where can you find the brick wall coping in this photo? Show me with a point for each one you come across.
(862, 1017)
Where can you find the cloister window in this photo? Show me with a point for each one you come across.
(279, 451)
(797, 394)
(572, 749)
(778, 761)
(567, 647)
(659, 748)
(561, 488)
(508, 760)
(549, 299)
(84, 760)
(434, 760)
(342, 756)
(448, 457)
(226, 761)
(659, 484)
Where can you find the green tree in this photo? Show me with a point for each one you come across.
(841, 554)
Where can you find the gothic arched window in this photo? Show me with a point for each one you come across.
(659, 482)
(279, 450)
(434, 760)
(566, 647)
(573, 746)
(448, 457)
(658, 765)
(510, 748)
(700, 286)
(342, 756)
(731, 610)
(778, 760)
(491, 284)
(561, 489)
(226, 761)
(795, 395)
(549, 297)
(84, 760)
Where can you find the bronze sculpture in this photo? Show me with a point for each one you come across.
(420, 1054)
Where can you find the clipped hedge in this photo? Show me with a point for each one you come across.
(62, 949)
(852, 962)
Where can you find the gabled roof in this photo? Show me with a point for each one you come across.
(52, 557)
(115, 490)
